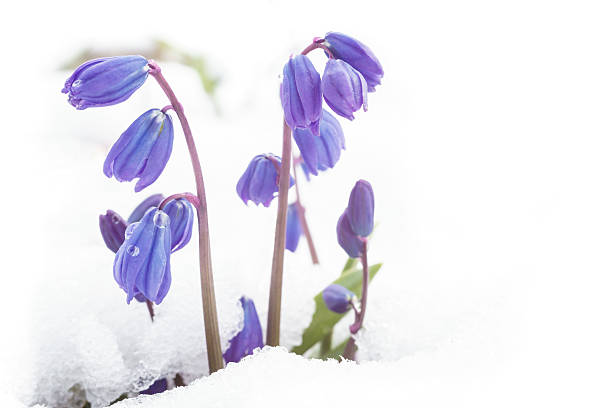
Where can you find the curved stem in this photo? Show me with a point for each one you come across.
(302, 217)
(211, 325)
(188, 196)
(276, 281)
(349, 351)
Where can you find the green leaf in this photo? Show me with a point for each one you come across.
(324, 320)
(351, 263)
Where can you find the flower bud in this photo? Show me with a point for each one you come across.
(141, 209)
(249, 338)
(360, 210)
(142, 263)
(337, 298)
(294, 227)
(112, 227)
(142, 151)
(301, 94)
(320, 152)
(358, 55)
(259, 183)
(344, 88)
(106, 81)
(347, 239)
(181, 222)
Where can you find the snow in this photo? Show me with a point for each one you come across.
(487, 146)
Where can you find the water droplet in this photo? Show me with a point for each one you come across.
(130, 229)
(133, 250)
(161, 219)
(76, 83)
(115, 219)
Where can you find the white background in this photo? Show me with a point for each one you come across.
(488, 146)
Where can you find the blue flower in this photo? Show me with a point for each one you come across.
(143, 150)
(360, 210)
(112, 227)
(142, 264)
(249, 338)
(181, 222)
(337, 298)
(301, 94)
(344, 88)
(320, 152)
(347, 239)
(157, 387)
(358, 55)
(141, 209)
(294, 227)
(106, 81)
(259, 183)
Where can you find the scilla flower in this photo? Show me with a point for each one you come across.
(259, 183)
(294, 227)
(337, 298)
(344, 88)
(249, 338)
(358, 55)
(112, 227)
(320, 152)
(357, 221)
(181, 222)
(106, 81)
(143, 150)
(301, 94)
(142, 264)
(141, 209)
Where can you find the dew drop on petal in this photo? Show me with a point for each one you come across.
(133, 250)
(76, 83)
(130, 229)
(161, 219)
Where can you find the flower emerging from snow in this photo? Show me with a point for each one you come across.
(249, 338)
(143, 150)
(106, 81)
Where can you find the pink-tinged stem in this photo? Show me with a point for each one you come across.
(349, 351)
(302, 217)
(211, 325)
(188, 196)
(276, 281)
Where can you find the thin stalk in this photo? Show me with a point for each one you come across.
(349, 351)
(209, 308)
(150, 309)
(302, 217)
(276, 281)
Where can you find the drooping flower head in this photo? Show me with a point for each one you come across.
(301, 94)
(143, 150)
(259, 182)
(249, 338)
(356, 54)
(357, 221)
(344, 88)
(181, 222)
(142, 263)
(106, 81)
(337, 298)
(112, 227)
(294, 227)
(321, 152)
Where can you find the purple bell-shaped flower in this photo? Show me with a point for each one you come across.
(337, 298)
(106, 81)
(142, 151)
(249, 338)
(301, 94)
(344, 88)
(259, 183)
